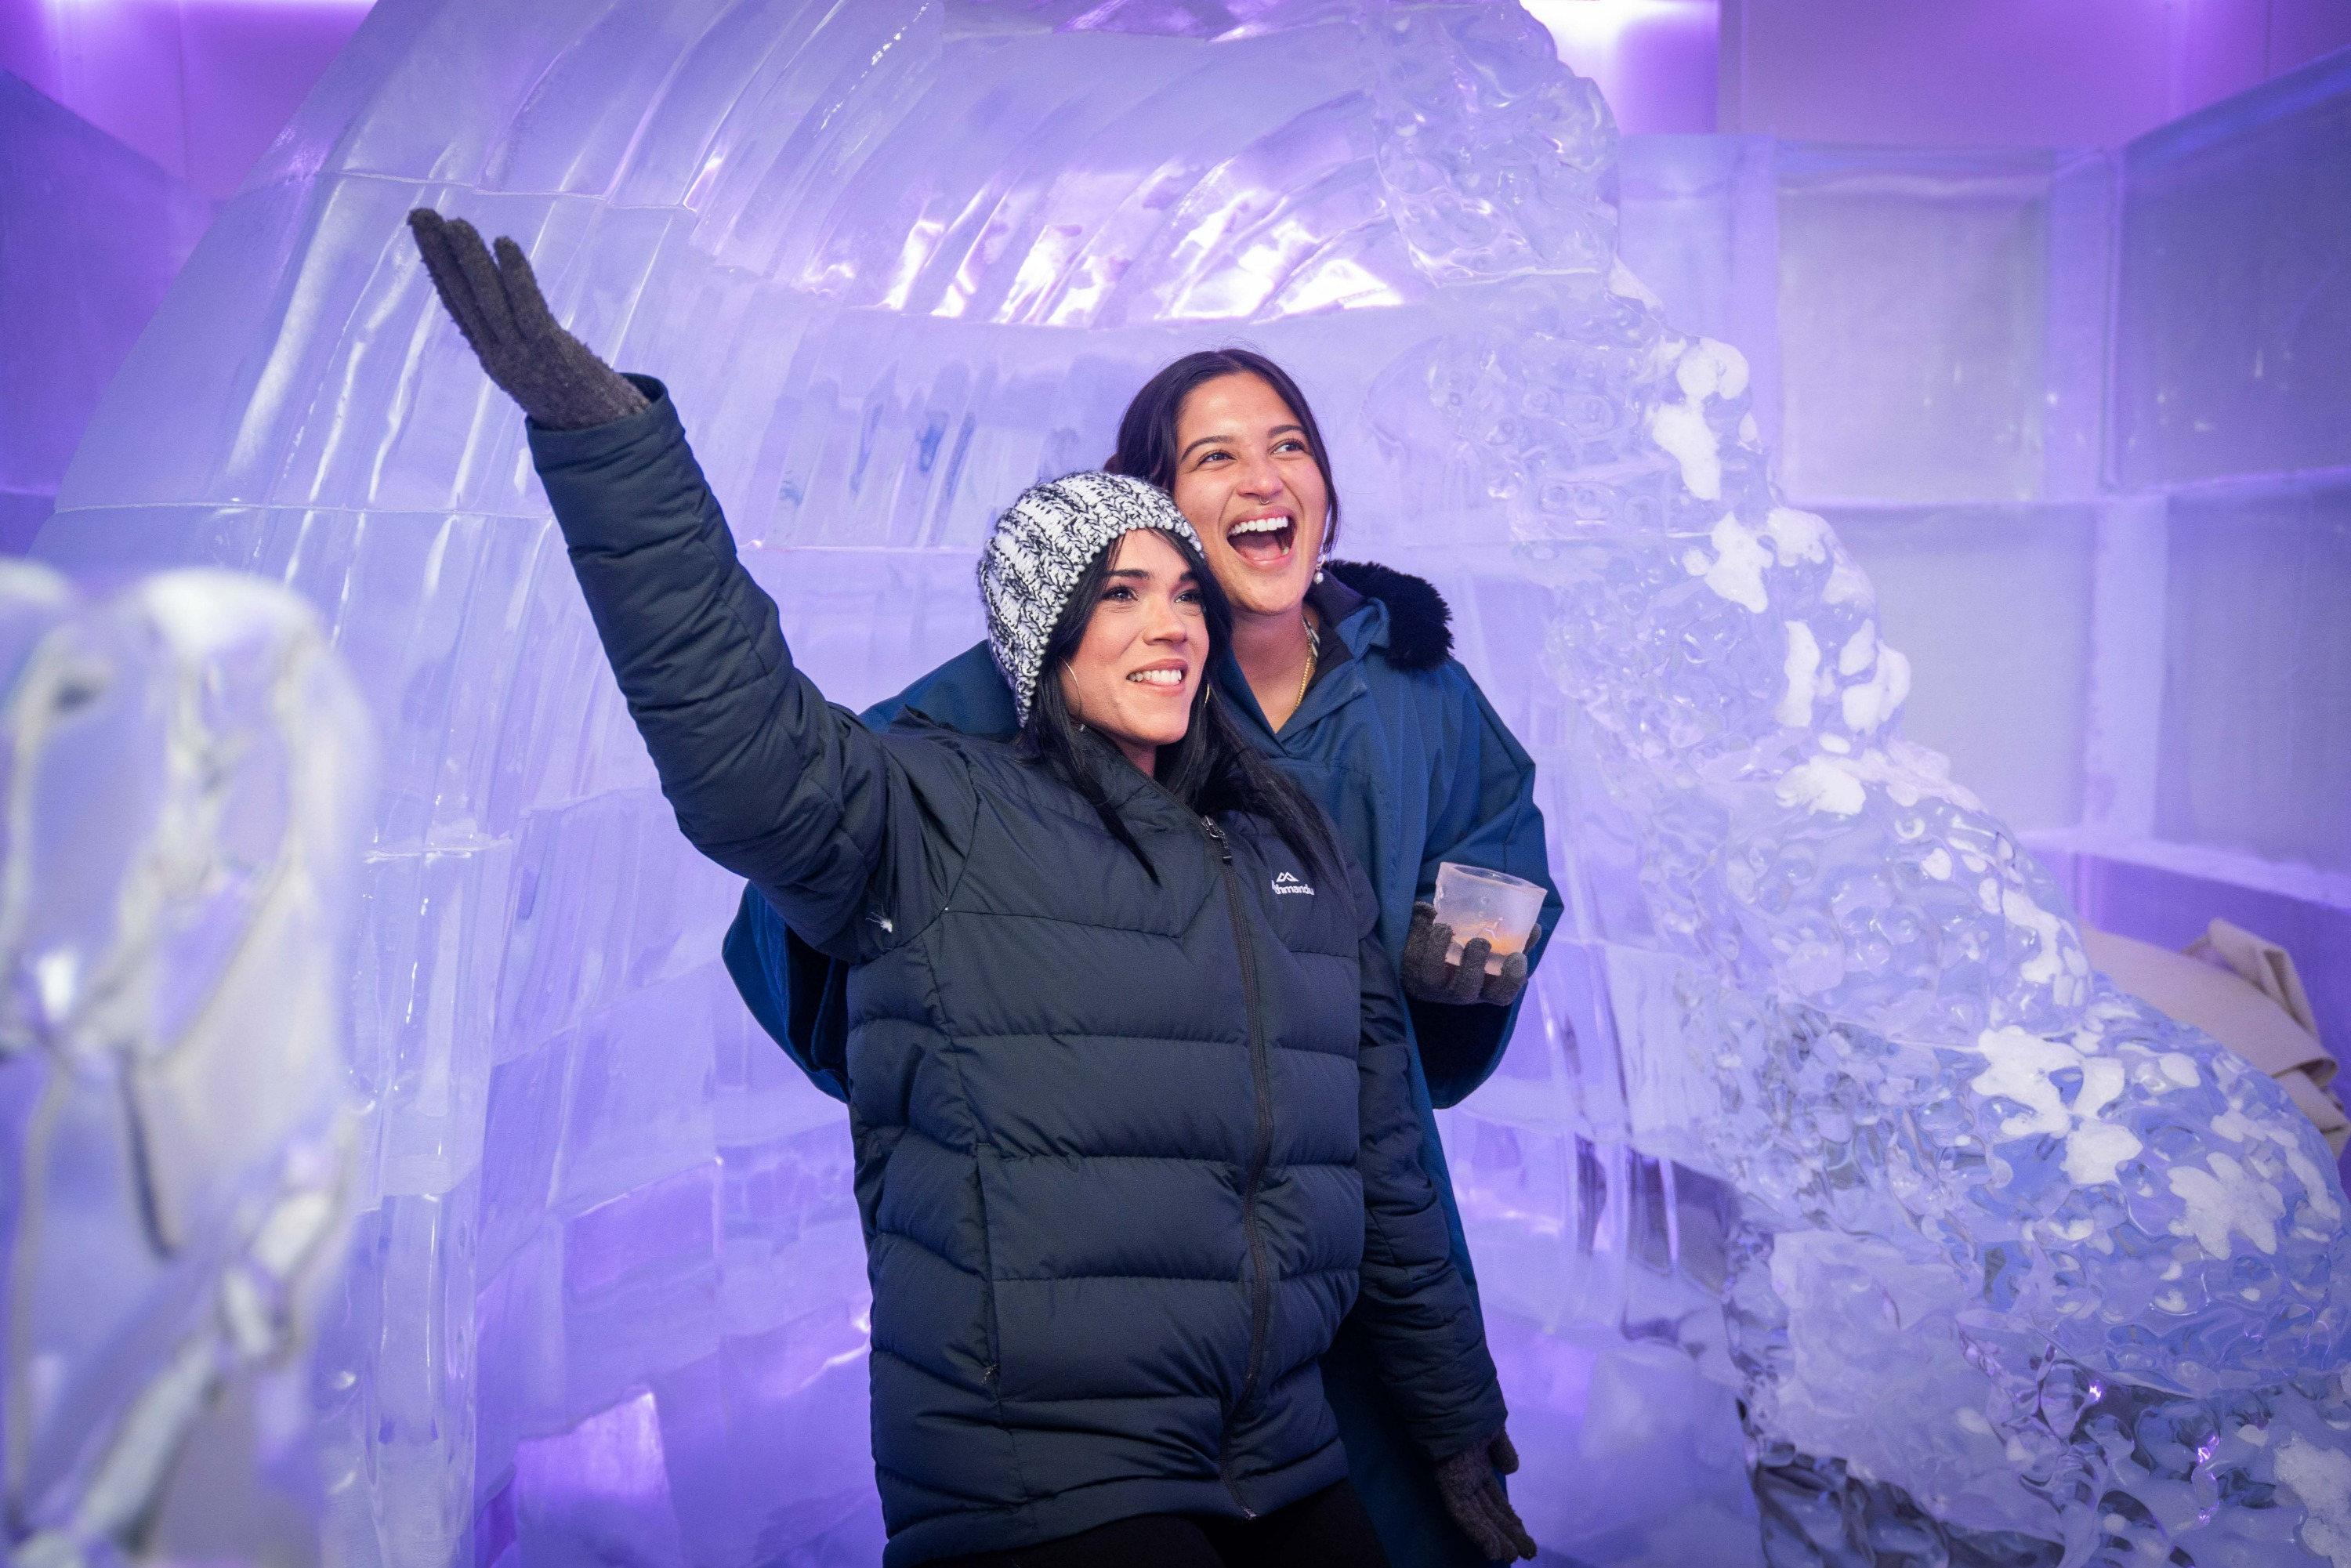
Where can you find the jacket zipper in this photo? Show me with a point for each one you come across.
(1262, 1078)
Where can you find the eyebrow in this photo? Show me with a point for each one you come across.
(1187, 575)
(1227, 435)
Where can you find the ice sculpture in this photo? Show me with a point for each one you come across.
(2028, 1269)
(185, 773)
(1987, 1231)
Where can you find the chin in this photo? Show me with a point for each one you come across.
(1163, 731)
(1269, 591)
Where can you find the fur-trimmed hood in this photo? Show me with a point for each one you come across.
(1420, 623)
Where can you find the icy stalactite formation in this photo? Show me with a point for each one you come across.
(2051, 1265)
(898, 259)
(185, 769)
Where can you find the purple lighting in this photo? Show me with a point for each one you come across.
(1911, 379)
(90, 236)
(197, 87)
(1654, 59)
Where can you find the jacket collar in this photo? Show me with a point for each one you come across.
(1135, 795)
(1362, 623)
(1359, 622)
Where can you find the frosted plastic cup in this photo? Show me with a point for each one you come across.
(1478, 903)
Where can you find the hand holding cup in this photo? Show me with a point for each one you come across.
(1469, 945)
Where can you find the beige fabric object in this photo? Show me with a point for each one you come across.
(2243, 992)
(2263, 964)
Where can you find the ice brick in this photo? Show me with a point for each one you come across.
(1913, 323)
(1993, 606)
(2232, 329)
(2256, 737)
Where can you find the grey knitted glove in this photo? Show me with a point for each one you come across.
(1428, 976)
(497, 305)
(1471, 1484)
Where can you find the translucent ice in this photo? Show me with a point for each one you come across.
(1951, 1131)
(185, 770)
(1821, 1043)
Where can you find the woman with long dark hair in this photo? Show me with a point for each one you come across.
(1127, 1075)
(1342, 675)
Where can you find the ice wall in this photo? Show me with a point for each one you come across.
(896, 260)
(2236, 416)
(2091, 467)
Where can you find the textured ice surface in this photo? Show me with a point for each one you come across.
(1822, 1038)
(186, 770)
(1951, 1129)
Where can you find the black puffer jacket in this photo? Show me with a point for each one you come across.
(1126, 1152)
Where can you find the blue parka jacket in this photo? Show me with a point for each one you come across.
(1130, 1144)
(1412, 762)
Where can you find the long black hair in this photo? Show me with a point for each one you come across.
(1213, 768)
(1147, 447)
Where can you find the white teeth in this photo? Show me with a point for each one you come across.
(1260, 526)
(1158, 677)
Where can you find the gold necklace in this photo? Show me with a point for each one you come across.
(1313, 653)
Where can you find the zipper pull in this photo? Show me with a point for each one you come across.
(1217, 836)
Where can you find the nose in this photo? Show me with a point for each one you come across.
(1166, 625)
(1260, 479)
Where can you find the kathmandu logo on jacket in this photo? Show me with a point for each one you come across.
(1285, 882)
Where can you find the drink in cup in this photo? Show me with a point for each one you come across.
(1478, 903)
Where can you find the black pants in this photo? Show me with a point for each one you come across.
(1329, 1529)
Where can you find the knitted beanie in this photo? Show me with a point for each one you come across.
(1042, 545)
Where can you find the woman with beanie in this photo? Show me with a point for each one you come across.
(1343, 676)
(1125, 1067)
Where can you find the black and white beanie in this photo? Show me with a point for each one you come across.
(1042, 545)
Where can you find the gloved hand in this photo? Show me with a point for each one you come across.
(1428, 975)
(497, 305)
(1470, 1482)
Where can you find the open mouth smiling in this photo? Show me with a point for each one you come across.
(1263, 541)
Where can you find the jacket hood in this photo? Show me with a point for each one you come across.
(1420, 623)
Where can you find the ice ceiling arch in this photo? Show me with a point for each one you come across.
(896, 259)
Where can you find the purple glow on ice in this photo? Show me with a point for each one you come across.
(90, 236)
(896, 261)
